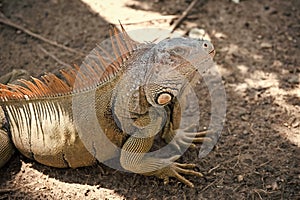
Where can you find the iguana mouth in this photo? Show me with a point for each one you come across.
(212, 53)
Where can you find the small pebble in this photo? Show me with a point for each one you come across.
(294, 79)
(240, 178)
(197, 33)
(220, 35)
(266, 45)
(277, 63)
(295, 124)
(275, 186)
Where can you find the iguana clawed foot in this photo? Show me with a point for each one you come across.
(185, 138)
(175, 169)
(182, 139)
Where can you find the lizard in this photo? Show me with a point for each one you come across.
(134, 91)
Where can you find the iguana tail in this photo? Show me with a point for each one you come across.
(6, 145)
(6, 148)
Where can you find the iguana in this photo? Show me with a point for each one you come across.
(135, 95)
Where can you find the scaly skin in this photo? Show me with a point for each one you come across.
(6, 147)
(138, 103)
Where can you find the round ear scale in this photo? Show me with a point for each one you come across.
(164, 98)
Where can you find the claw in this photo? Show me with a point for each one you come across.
(183, 138)
(202, 140)
(175, 170)
(166, 180)
(184, 180)
(189, 166)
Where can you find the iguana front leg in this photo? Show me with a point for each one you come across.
(135, 154)
(135, 159)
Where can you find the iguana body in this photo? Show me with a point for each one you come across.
(134, 96)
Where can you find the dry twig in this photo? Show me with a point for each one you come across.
(54, 57)
(184, 14)
(212, 169)
(160, 18)
(8, 22)
(212, 183)
(7, 190)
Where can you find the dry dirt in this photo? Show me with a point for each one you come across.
(257, 155)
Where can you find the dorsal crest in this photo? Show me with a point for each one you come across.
(99, 66)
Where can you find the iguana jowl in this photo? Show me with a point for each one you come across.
(134, 94)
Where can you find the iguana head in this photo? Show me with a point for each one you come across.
(175, 62)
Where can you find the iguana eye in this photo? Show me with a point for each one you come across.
(205, 45)
(164, 98)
